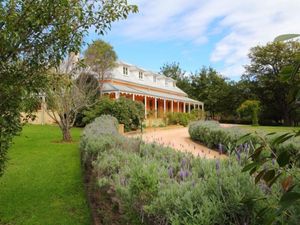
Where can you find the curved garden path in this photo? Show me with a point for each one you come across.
(177, 138)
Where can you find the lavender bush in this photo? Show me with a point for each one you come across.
(105, 127)
(212, 135)
(158, 186)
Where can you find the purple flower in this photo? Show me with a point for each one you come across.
(186, 174)
(218, 166)
(220, 147)
(181, 174)
(273, 161)
(238, 156)
(183, 162)
(171, 172)
(240, 148)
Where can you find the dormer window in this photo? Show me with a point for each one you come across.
(154, 79)
(125, 71)
(141, 75)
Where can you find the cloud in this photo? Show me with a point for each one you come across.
(237, 25)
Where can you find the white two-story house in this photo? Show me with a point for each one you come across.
(158, 92)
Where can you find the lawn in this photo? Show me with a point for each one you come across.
(268, 129)
(43, 182)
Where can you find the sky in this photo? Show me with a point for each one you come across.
(196, 33)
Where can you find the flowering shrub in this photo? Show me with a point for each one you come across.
(155, 185)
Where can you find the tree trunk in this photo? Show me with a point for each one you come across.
(287, 119)
(66, 135)
(254, 118)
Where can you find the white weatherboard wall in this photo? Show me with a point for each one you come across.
(148, 78)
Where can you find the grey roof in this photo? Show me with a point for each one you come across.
(109, 87)
(120, 62)
(176, 89)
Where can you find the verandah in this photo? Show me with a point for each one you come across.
(157, 107)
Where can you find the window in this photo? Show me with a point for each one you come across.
(140, 75)
(166, 82)
(154, 79)
(125, 71)
(174, 84)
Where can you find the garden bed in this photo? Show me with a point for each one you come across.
(149, 184)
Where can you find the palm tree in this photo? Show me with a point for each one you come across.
(285, 37)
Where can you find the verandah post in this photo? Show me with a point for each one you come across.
(155, 107)
(145, 107)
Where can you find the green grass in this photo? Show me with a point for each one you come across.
(268, 129)
(43, 182)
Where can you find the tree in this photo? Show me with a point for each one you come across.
(128, 112)
(267, 70)
(35, 36)
(290, 72)
(250, 108)
(101, 58)
(285, 37)
(210, 87)
(220, 95)
(67, 95)
(174, 71)
(93, 83)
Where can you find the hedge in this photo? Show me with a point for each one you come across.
(211, 134)
(184, 118)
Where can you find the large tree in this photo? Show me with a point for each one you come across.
(35, 36)
(212, 88)
(250, 109)
(174, 71)
(100, 57)
(270, 64)
(220, 96)
(69, 92)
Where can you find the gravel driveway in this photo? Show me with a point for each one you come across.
(179, 139)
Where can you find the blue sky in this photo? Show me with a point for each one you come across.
(217, 33)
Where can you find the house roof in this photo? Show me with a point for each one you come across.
(109, 87)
